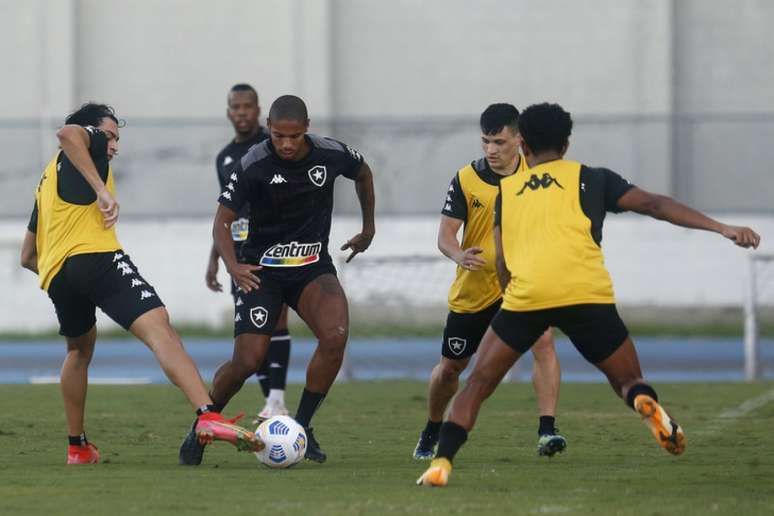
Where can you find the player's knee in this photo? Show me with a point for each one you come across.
(334, 340)
(544, 349)
(482, 384)
(449, 370)
(80, 356)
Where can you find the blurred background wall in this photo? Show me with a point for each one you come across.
(676, 95)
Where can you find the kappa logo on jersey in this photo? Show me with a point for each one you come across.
(317, 174)
(238, 318)
(230, 186)
(117, 257)
(226, 195)
(536, 183)
(259, 315)
(294, 254)
(233, 177)
(145, 295)
(476, 203)
(457, 345)
(228, 160)
(277, 179)
(355, 154)
(137, 283)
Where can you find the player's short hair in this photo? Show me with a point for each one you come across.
(289, 107)
(92, 114)
(545, 127)
(498, 116)
(242, 86)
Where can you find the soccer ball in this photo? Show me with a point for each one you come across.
(285, 442)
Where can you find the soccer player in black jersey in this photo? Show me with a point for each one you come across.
(548, 234)
(288, 183)
(243, 112)
(71, 244)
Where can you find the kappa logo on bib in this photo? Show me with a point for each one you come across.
(259, 315)
(294, 254)
(317, 174)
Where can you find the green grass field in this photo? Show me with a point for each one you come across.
(612, 465)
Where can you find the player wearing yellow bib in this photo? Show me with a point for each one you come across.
(71, 244)
(475, 296)
(548, 235)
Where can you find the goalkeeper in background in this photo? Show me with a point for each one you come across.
(475, 296)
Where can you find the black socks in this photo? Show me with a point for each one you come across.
(432, 428)
(636, 390)
(310, 402)
(453, 436)
(78, 440)
(546, 426)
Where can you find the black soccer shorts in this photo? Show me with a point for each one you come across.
(463, 332)
(106, 280)
(596, 330)
(258, 311)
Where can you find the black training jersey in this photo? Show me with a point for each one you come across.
(230, 155)
(291, 202)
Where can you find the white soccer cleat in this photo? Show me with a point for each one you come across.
(270, 410)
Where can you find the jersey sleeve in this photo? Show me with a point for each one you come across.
(235, 194)
(455, 205)
(353, 160)
(614, 187)
(32, 226)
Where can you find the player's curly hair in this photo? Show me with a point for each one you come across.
(545, 127)
(92, 113)
(497, 116)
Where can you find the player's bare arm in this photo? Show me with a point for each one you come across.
(211, 276)
(503, 274)
(364, 187)
(74, 141)
(663, 207)
(29, 252)
(242, 273)
(449, 245)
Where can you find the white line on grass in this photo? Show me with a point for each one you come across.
(731, 415)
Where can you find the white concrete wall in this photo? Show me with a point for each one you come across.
(651, 262)
(404, 81)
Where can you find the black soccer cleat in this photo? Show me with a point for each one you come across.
(191, 451)
(425, 449)
(313, 451)
(551, 444)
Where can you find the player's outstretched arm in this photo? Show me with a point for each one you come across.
(74, 141)
(242, 273)
(503, 274)
(29, 252)
(450, 246)
(663, 207)
(364, 187)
